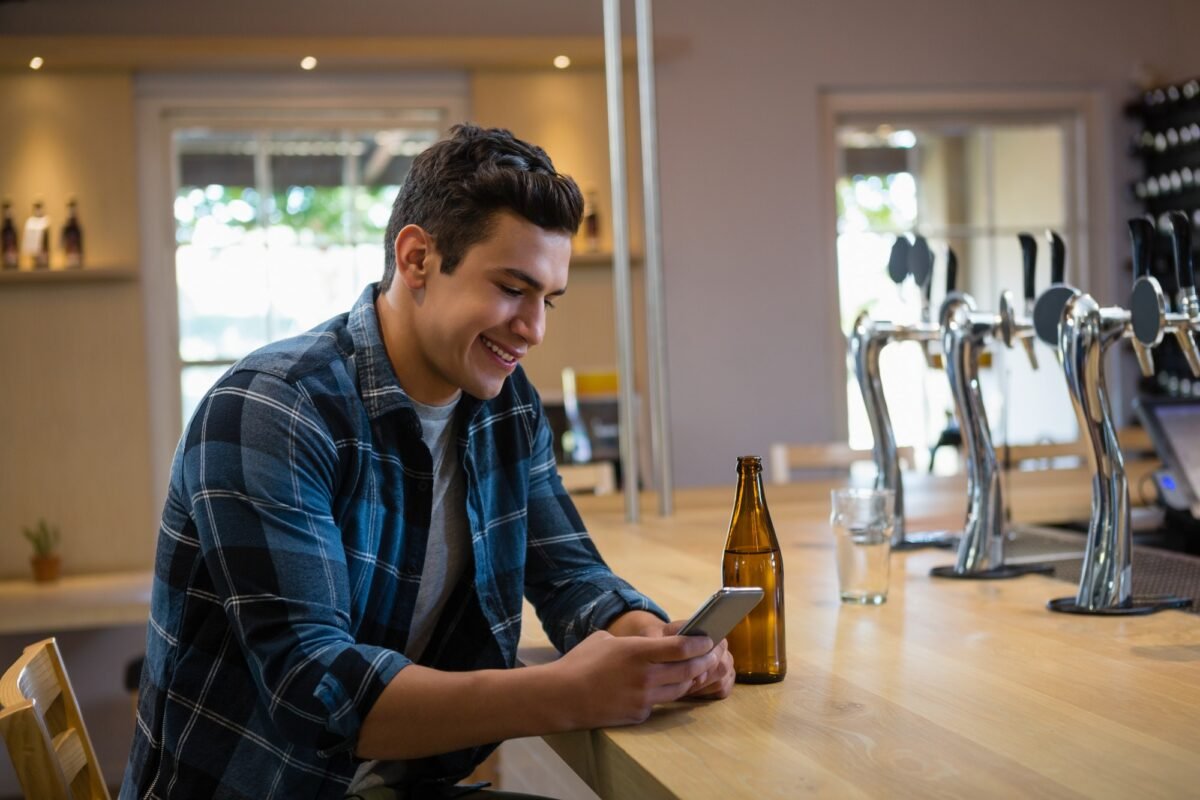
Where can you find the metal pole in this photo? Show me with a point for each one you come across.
(656, 334)
(613, 74)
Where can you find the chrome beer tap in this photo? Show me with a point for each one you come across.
(866, 341)
(1086, 331)
(966, 333)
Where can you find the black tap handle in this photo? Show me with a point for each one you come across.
(951, 270)
(897, 266)
(1058, 258)
(920, 261)
(929, 282)
(1141, 238)
(1181, 244)
(1029, 260)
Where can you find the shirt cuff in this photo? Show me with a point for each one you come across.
(620, 601)
(348, 706)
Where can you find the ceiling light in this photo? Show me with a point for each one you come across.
(562, 62)
(36, 62)
(308, 62)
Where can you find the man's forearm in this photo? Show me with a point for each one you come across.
(424, 712)
(605, 680)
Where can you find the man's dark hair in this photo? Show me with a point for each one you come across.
(456, 187)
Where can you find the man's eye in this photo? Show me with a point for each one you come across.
(510, 291)
(549, 304)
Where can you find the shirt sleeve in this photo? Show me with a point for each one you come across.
(260, 471)
(570, 586)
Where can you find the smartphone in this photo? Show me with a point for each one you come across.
(721, 612)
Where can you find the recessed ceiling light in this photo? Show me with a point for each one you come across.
(36, 62)
(562, 62)
(308, 62)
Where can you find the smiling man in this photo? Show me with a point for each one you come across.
(355, 514)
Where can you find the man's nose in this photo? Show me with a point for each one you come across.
(530, 324)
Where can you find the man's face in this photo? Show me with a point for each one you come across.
(476, 323)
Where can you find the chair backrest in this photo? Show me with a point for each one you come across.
(598, 477)
(825, 457)
(44, 731)
(1043, 456)
(1135, 446)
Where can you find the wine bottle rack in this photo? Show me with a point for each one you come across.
(1166, 144)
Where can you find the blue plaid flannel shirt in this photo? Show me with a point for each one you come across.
(290, 553)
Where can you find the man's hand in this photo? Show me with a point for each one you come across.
(716, 684)
(617, 680)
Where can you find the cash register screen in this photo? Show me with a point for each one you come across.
(1175, 429)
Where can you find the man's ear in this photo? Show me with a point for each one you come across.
(415, 256)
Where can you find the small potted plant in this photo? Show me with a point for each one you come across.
(46, 562)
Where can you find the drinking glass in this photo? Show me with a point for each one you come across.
(862, 521)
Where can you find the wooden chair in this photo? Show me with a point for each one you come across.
(44, 731)
(831, 456)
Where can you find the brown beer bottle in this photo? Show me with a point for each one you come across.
(758, 643)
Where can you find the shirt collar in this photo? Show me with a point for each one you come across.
(380, 391)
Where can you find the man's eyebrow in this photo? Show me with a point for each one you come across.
(533, 282)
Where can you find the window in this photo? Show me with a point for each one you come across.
(276, 230)
(971, 184)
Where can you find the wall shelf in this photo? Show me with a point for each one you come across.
(87, 275)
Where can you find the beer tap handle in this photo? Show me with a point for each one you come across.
(1181, 245)
(1141, 237)
(897, 266)
(1147, 305)
(1029, 261)
(951, 270)
(1058, 258)
(929, 287)
(920, 261)
(920, 266)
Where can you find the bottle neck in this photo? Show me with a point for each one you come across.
(749, 490)
(750, 527)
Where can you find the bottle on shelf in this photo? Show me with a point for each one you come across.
(72, 238)
(35, 243)
(752, 558)
(9, 248)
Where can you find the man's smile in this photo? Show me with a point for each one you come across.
(505, 356)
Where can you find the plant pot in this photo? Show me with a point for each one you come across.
(46, 568)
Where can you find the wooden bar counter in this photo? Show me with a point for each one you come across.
(950, 689)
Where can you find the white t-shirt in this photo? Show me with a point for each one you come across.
(449, 546)
(446, 555)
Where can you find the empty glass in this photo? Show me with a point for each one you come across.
(862, 521)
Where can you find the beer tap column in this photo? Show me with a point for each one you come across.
(866, 341)
(965, 335)
(1085, 334)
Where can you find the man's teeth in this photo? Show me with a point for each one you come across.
(503, 355)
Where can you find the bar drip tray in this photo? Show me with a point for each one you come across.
(1155, 571)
